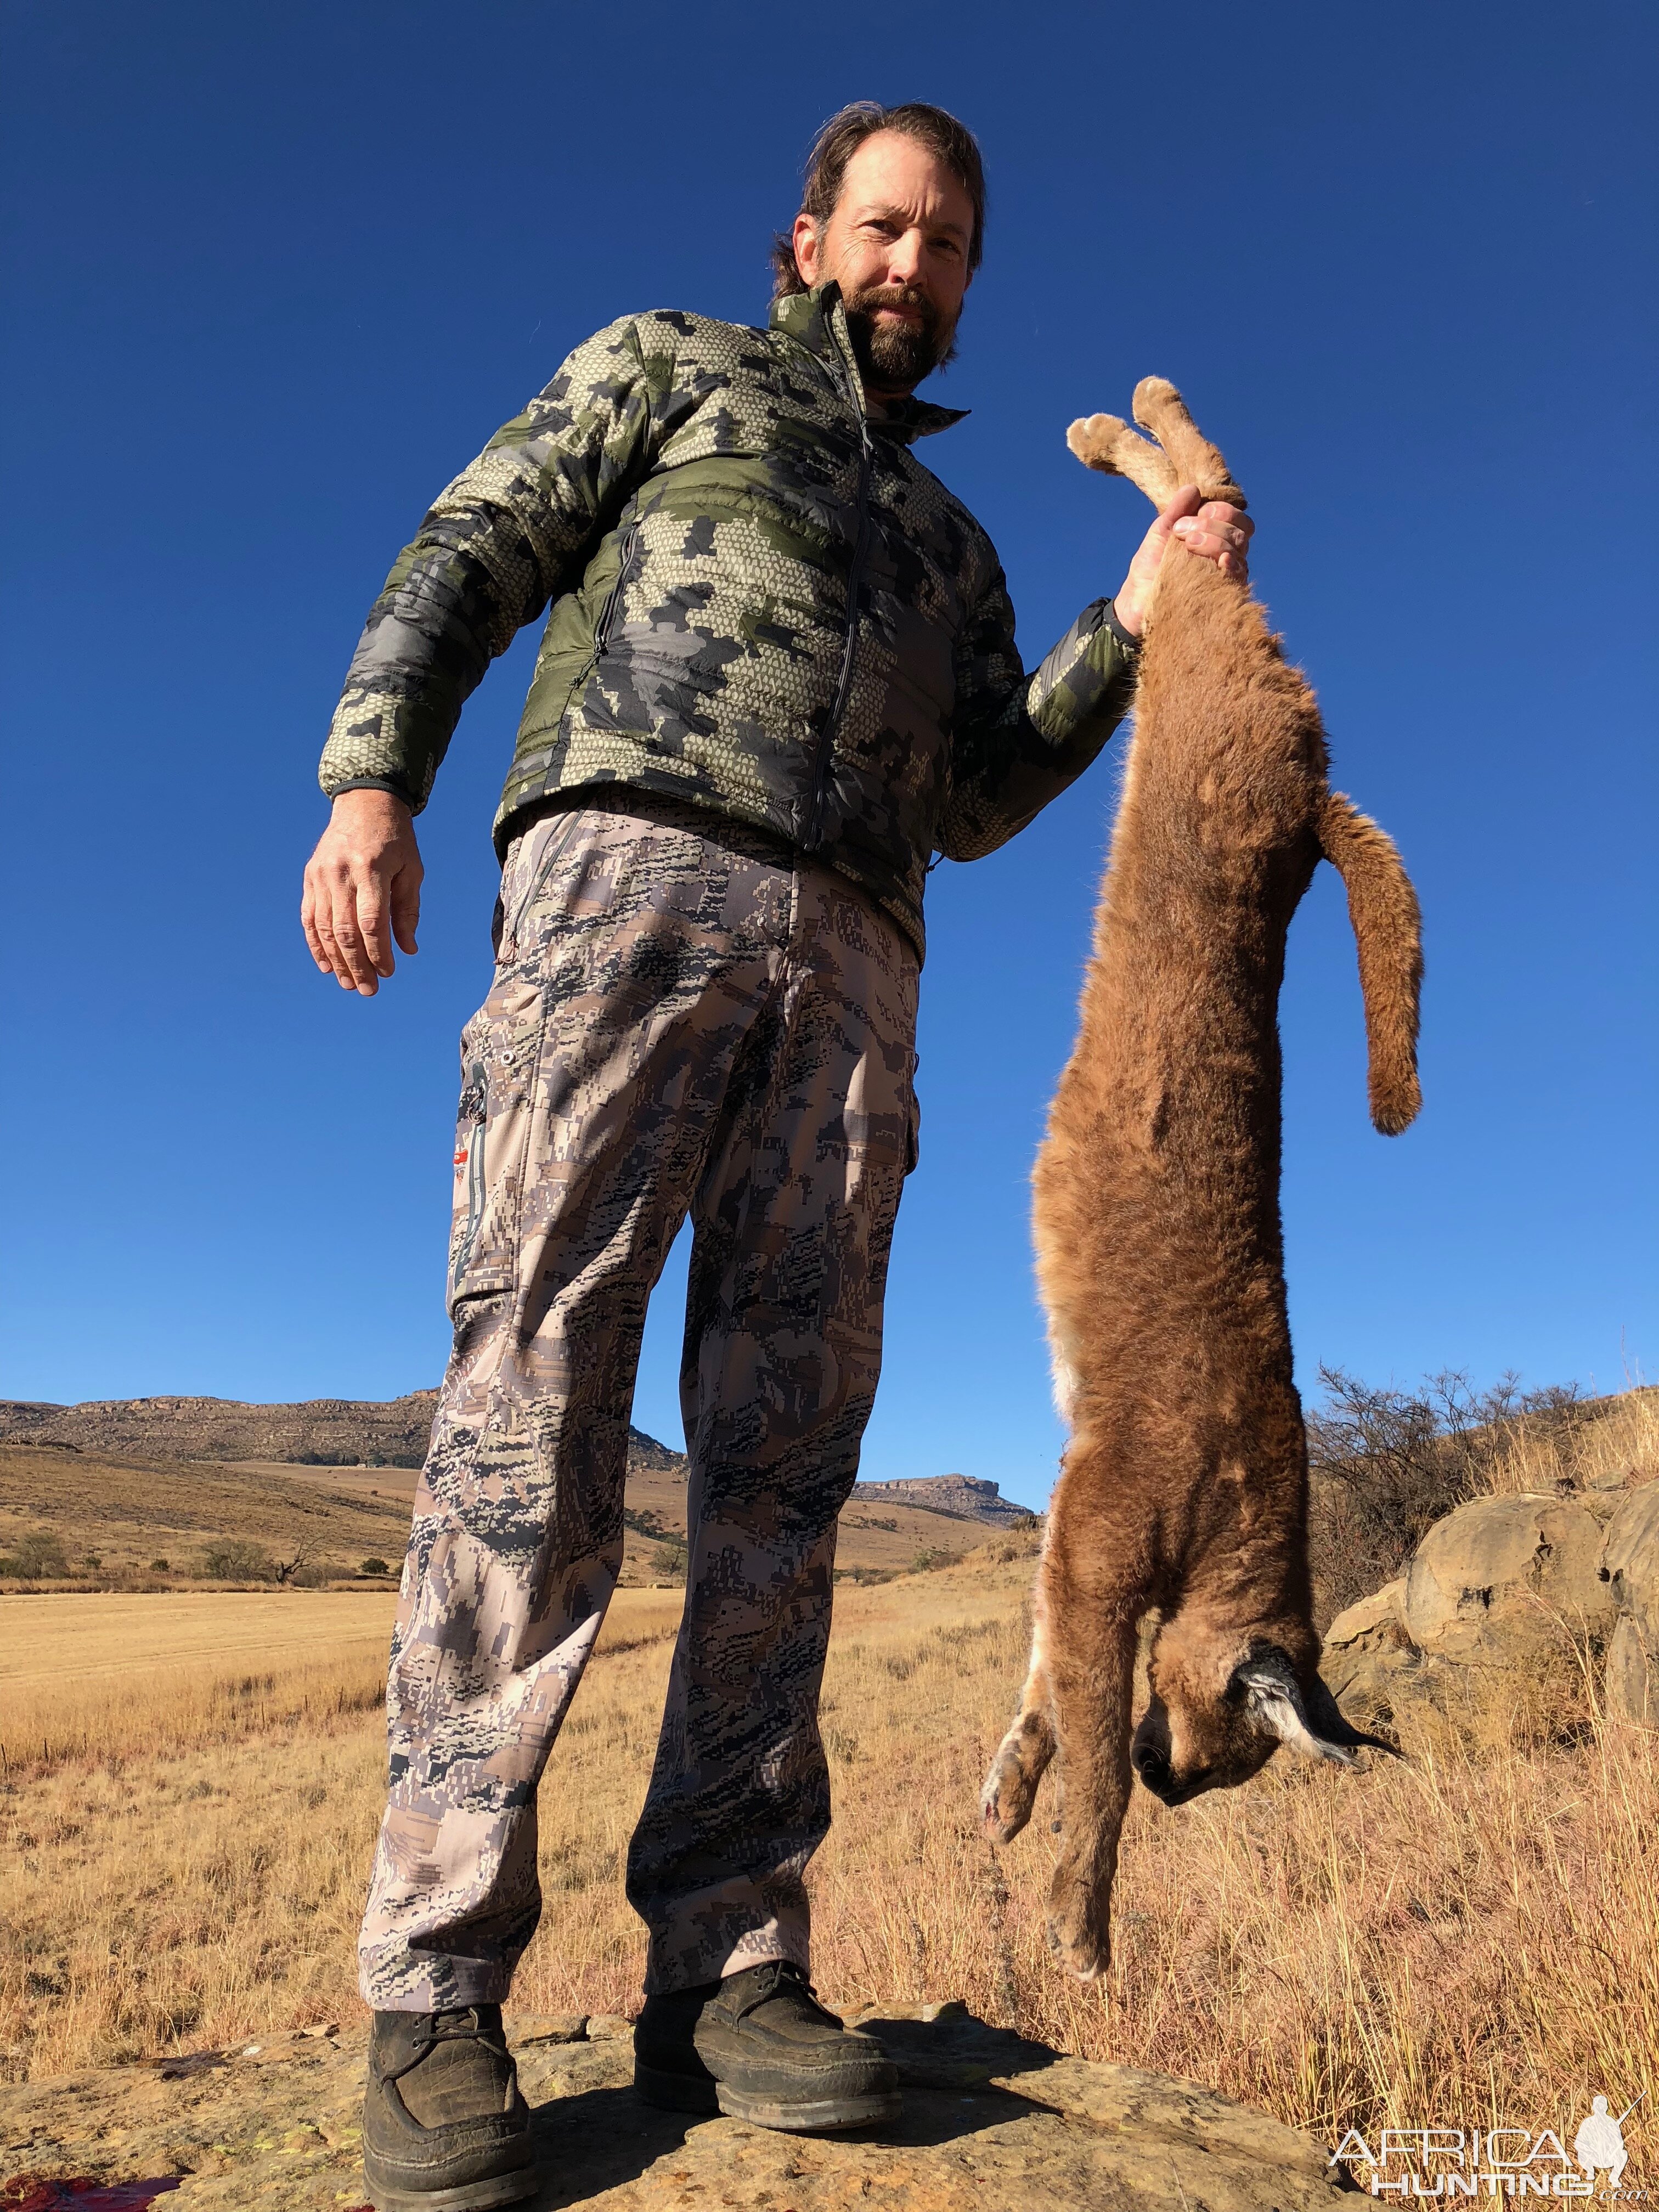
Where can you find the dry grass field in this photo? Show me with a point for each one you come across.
(1467, 1935)
(134, 1524)
(146, 1523)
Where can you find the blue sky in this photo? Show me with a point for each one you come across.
(274, 275)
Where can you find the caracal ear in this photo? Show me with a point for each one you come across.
(1310, 1721)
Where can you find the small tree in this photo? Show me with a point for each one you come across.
(39, 1555)
(672, 1559)
(290, 1570)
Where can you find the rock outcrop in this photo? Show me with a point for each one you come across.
(318, 1432)
(1495, 1584)
(991, 2124)
(963, 1496)
(1629, 1560)
(1502, 1573)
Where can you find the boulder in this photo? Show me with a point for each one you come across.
(991, 2124)
(1495, 1578)
(1630, 1562)
(1371, 1665)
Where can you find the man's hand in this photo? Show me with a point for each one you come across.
(362, 888)
(1216, 532)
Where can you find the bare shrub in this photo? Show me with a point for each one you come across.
(1385, 1464)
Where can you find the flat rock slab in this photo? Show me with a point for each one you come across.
(991, 2124)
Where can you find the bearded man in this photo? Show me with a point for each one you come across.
(779, 676)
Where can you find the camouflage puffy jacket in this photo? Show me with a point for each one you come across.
(763, 604)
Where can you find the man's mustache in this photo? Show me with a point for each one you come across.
(893, 295)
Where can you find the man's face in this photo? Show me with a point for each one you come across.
(896, 243)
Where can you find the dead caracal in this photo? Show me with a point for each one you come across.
(1159, 1249)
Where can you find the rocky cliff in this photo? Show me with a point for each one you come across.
(964, 1496)
(319, 1432)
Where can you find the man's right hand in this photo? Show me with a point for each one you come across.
(362, 888)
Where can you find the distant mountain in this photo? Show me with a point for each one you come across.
(962, 1497)
(321, 1433)
(370, 1432)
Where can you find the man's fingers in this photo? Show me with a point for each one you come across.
(1226, 547)
(406, 908)
(372, 926)
(334, 960)
(1186, 502)
(1194, 530)
(1217, 513)
(331, 955)
(336, 924)
(308, 923)
(359, 974)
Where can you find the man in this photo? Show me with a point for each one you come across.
(778, 675)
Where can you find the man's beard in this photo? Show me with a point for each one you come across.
(894, 356)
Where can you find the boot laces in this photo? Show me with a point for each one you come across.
(459, 2024)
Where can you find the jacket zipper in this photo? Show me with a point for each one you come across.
(849, 650)
(607, 616)
(613, 597)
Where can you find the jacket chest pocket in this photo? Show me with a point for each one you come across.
(501, 1059)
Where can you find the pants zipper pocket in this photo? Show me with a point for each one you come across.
(557, 838)
(471, 1132)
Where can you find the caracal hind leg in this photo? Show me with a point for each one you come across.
(1023, 1756)
(1107, 443)
(1091, 1681)
(1159, 408)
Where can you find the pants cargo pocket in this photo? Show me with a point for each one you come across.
(501, 1053)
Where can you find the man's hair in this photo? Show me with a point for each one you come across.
(841, 138)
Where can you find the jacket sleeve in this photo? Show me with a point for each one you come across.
(514, 531)
(1019, 740)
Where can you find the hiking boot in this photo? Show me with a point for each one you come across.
(760, 2047)
(445, 2128)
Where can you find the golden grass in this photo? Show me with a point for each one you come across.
(1469, 1936)
(1617, 1442)
(152, 1525)
(98, 1676)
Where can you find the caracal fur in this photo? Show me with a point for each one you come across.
(1183, 1488)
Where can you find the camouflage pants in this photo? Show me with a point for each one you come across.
(680, 1021)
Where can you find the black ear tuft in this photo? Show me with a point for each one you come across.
(1309, 1719)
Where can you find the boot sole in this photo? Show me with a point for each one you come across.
(799, 2116)
(465, 2196)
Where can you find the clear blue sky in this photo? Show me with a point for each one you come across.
(274, 274)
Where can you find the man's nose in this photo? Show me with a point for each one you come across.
(904, 258)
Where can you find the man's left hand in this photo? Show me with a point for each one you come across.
(1214, 532)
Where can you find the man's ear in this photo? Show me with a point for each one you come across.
(808, 247)
(1310, 1721)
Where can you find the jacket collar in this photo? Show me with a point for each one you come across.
(817, 320)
